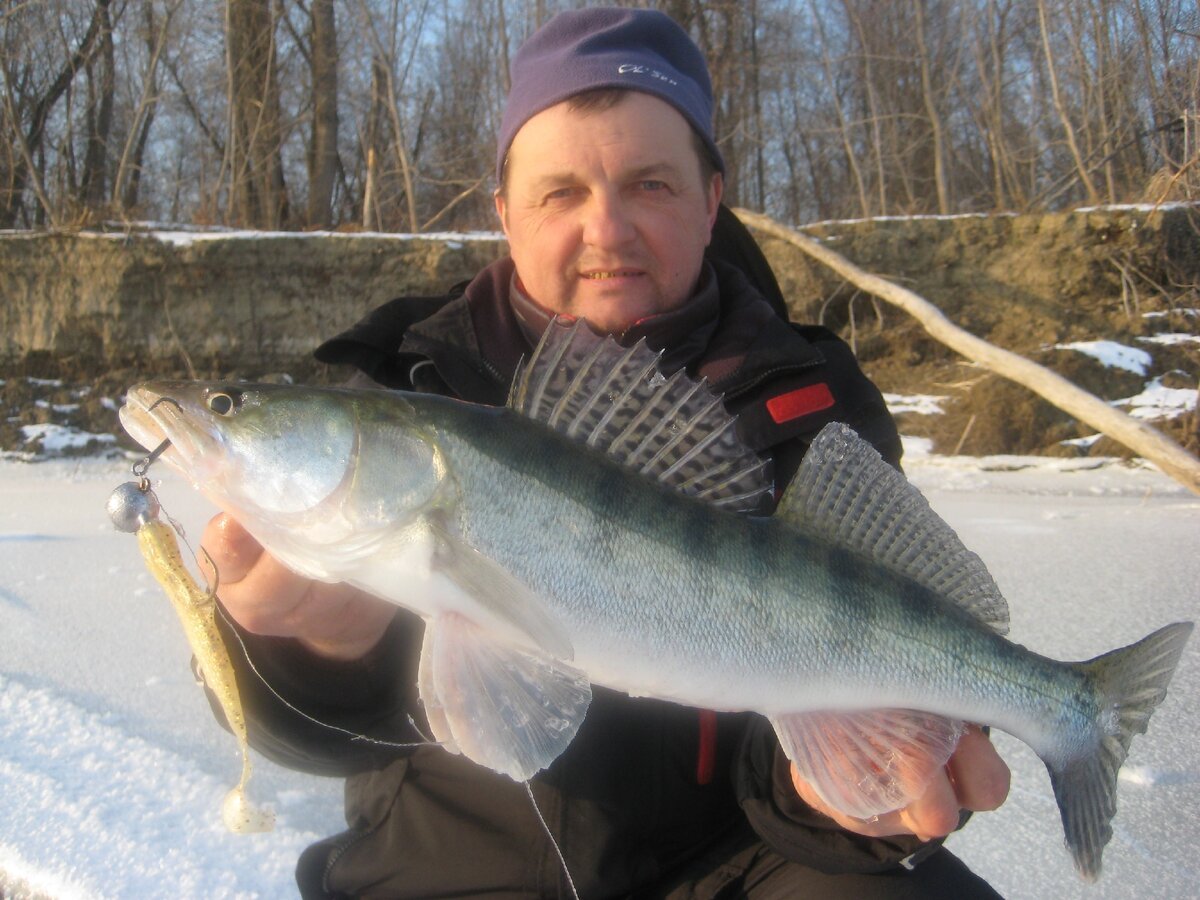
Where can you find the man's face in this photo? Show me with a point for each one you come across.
(606, 212)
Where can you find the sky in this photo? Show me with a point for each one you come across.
(112, 770)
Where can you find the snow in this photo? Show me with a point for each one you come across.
(177, 237)
(113, 771)
(1171, 339)
(1163, 314)
(947, 217)
(1137, 207)
(920, 404)
(1112, 355)
(111, 766)
(1159, 402)
(55, 439)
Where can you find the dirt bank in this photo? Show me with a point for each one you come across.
(1026, 283)
(85, 315)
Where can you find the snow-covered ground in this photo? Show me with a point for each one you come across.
(112, 771)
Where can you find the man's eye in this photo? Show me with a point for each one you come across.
(652, 185)
(560, 194)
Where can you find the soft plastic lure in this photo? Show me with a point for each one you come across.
(134, 508)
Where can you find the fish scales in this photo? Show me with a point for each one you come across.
(852, 617)
(663, 553)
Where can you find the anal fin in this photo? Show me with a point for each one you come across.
(868, 763)
(508, 708)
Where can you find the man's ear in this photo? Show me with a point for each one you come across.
(501, 208)
(716, 190)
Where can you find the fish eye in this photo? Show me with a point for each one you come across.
(224, 402)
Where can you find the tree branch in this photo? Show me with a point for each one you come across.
(1139, 437)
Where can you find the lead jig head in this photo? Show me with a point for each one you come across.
(131, 506)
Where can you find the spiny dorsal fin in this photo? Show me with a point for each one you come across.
(845, 492)
(615, 400)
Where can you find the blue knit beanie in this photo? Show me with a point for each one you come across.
(608, 47)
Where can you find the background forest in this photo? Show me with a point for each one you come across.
(380, 114)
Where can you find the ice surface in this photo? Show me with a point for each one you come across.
(112, 770)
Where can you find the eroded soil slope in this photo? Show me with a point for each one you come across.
(85, 316)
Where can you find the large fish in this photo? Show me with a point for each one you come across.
(603, 528)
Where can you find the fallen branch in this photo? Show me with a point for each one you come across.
(1141, 438)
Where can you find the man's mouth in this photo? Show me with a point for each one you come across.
(614, 273)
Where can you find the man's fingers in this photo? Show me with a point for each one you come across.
(266, 597)
(935, 813)
(975, 778)
(980, 777)
(256, 589)
(230, 547)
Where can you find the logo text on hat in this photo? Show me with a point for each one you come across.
(637, 69)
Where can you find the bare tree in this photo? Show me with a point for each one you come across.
(323, 144)
(385, 111)
(258, 195)
(24, 103)
(929, 98)
(127, 179)
(101, 85)
(1068, 127)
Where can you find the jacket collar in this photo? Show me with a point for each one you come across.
(681, 334)
(727, 333)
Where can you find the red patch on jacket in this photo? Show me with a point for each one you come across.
(706, 757)
(800, 402)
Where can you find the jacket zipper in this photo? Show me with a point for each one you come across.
(763, 376)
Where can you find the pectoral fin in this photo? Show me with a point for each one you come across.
(507, 708)
(435, 713)
(868, 763)
(493, 597)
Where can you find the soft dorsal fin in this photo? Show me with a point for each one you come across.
(614, 399)
(846, 493)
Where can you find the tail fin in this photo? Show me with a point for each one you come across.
(1130, 683)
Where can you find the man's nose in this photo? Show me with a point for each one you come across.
(607, 221)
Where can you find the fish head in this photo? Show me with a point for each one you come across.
(253, 449)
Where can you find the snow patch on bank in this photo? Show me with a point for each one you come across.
(1112, 355)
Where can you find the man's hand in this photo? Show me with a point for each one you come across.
(264, 597)
(975, 778)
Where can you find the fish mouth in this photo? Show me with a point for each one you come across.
(154, 417)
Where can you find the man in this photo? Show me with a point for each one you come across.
(609, 190)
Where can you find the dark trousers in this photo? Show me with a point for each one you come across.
(756, 872)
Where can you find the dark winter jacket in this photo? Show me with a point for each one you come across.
(647, 788)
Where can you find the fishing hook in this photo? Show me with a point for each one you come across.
(143, 465)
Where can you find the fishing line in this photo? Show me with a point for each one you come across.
(562, 861)
(139, 469)
(424, 742)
